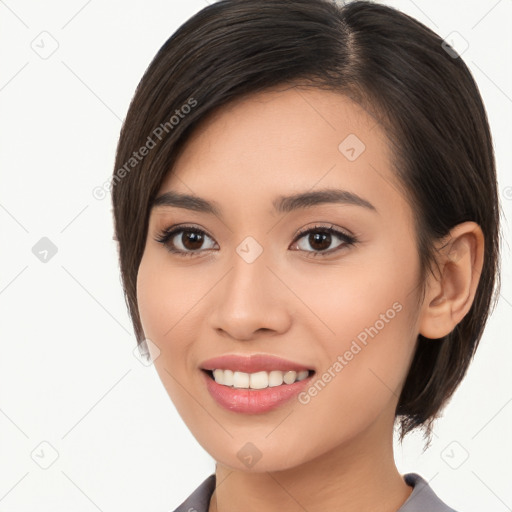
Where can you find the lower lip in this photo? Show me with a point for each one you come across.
(253, 401)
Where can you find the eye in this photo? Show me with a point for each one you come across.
(183, 240)
(189, 240)
(320, 239)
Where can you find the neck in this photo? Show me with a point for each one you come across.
(359, 474)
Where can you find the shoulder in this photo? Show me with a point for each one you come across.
(423, 498)
(199, 500)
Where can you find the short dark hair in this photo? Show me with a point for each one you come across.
(419, 88)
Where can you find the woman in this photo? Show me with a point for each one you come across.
(307, 215)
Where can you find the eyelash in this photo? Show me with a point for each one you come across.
(167, 234)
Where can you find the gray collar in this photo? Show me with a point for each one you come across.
(422, 498)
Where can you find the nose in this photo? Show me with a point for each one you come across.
(251, 300)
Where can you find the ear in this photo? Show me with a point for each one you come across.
(450, 293)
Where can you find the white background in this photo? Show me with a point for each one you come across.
(68, 373)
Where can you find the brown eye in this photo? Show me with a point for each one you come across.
(191, 240)
(319, 241)
(185, 241)
(321, 238)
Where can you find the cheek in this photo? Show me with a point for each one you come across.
(170, 300)
(372, 298)
(163, 302)
(150, 300)
(363, 371)
(352, 296)
(165, 296)
(366, 335)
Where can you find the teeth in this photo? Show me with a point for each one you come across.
(259, 380)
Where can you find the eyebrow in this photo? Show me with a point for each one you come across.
(282, 204)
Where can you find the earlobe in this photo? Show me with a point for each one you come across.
(450, 294)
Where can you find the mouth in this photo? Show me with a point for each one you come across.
(255, 383)
(257, 380)
(255, 393)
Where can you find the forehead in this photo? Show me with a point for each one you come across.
(285, 140)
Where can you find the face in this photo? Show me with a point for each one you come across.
(328, 283)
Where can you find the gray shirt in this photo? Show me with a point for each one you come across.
(422, 498)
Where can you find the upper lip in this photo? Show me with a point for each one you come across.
(251, 364)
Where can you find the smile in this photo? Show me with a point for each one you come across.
(258, 380)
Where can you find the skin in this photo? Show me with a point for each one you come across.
(335, 452)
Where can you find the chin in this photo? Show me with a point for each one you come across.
(256, 457)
